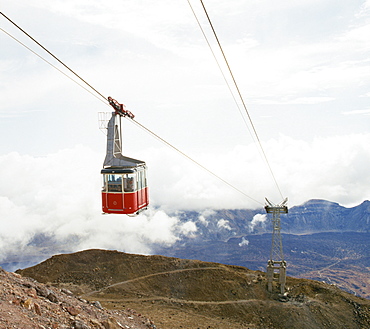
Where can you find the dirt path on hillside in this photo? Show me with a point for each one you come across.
(326, 268)
(148, 276)
(176, 312)
(179, 301)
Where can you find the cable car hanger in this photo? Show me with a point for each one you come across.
(120, 108)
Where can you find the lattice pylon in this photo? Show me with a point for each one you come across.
(276, 266)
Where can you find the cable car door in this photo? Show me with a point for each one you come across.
(114, 199)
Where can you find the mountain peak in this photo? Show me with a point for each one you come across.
(320, 202)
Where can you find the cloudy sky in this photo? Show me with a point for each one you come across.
(303, 69)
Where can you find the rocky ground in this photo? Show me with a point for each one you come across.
(28, 304)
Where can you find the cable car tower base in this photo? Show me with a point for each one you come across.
(276, 266)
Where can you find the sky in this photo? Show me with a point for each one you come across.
(302, 68)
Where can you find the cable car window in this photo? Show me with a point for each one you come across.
(144, 177)
(104, 184)
(140, 180)
(114, 182)
(129, 183)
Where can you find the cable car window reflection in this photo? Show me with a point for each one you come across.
(114, 183)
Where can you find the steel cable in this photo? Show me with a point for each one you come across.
(105, 98)
(238, 91)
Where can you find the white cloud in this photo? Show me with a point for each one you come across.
(331, 168)
(258, 219)
(59, 196)
(244, 242)
(223, 223)
(204, 214)
(355, 112)
(293, 100)
(188, 228)
(132, 234)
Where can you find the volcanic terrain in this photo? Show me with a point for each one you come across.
(179, 293)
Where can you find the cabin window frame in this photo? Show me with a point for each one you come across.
(112, 185)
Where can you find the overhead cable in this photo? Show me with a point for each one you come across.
(133, 120)
(219, 66)
(52, 55)
(238, 91)
(46, 61)
(194, 161)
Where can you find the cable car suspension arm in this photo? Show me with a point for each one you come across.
(120, 108)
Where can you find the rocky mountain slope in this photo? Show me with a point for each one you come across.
(178, 293)
(28, 304)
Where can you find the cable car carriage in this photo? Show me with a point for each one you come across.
(125, 188)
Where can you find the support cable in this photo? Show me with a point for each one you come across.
(52, 65)
(131, 119)
(194, 161)
(219, 67)
(52, 55)
(241, 97)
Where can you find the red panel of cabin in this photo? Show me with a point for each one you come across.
(113, 203)
(125, 203)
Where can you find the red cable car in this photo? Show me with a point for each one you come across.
(125, 189)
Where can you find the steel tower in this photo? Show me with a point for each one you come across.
(276, 266)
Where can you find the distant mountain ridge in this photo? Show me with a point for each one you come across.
(324, 216)
(314, 216)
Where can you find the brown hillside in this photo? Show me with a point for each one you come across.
(178, 293)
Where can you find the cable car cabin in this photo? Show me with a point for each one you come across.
(125, 190)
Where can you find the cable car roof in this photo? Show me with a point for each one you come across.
(121, 161)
